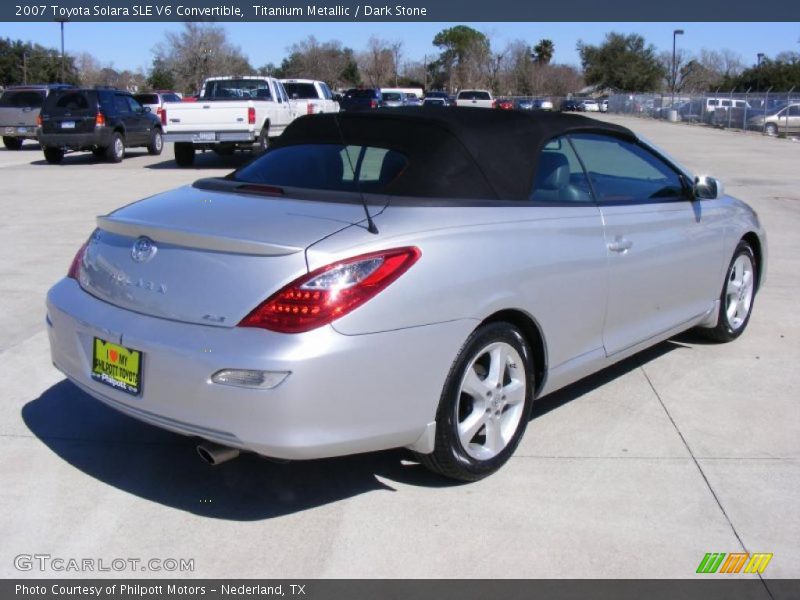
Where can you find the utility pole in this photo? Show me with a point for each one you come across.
(760, 57)
(63, 57)
(675, 35)
(24, 67)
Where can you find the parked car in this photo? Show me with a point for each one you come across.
(155, 100)
(310, 97)
(589, 105)
(570, 105)
(782, 119)
(104, 121)
(392, 99)
(542, 104)
(361, 99)
(438, 99)
(412, 99)
(232, 113)
(504, 104)
(525, 104)
(19, 110)
(287, 320)
(475, 99)
(603, 104)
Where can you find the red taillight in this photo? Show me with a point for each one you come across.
(39, 120)
(373, 104)
(251, 115)
(75, 268)
(494, 103)
(99, 120)
(309, 109)
(331, 292)
(163, 115)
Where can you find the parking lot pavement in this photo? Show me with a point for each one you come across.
(637, 471)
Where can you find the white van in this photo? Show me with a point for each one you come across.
(713, 103)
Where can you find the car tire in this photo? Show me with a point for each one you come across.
(115, 151)
(485, 404)
(53, 155)
(737, 297)
(184, 154)
(771, 129)
(12, 143)
(156, 144)
(262, 142)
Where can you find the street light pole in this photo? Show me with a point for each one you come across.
(760, 57)
(675, 35)
(62, 21)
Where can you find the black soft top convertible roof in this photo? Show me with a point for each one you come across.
(452, 152)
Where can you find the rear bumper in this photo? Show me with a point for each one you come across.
(18, 131)
(220, 137)
(345, 394)
(100, 137)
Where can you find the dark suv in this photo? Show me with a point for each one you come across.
(105, 121)
(361, 99)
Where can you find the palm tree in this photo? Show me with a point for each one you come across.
(543, 51)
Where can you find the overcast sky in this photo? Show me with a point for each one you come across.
(128, 45)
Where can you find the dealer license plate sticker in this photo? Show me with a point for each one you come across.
(117, 366)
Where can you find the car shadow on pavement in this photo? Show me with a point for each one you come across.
(87, 158)
(163, 467)
(544, 405)
(207, 160)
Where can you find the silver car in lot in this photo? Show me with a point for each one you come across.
(400, 278)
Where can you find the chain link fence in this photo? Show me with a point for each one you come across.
(772, 113)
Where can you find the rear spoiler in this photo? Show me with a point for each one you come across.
(193, 239)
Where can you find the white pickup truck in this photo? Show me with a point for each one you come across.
(310, 97)
(230, 113)
(476, 99)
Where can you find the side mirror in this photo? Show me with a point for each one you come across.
(707, 188)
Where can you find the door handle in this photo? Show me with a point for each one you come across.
(620, 244)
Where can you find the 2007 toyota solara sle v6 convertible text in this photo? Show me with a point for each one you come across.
(404, 278)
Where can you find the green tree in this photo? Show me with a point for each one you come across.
(23, 62)
(161, 76)
(623, 62)
(780, 75)
(543, 51)
(465, 53)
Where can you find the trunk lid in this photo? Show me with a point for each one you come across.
(207, 257)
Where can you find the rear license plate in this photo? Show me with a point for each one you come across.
(22, 130)
(67, 124)
(117, 366)
(205, 136)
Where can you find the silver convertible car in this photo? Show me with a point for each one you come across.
(402, 278)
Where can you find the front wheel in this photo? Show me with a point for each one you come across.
(485, 404)
(12, 143)
(156, 144)
(738, 293)
(771, 129)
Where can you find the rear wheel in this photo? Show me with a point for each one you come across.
(262, 143)
(156, 144)
(736, 300)
(485, 405)
(12, 143)
(184, 154)
(53, 155)
(115, 151)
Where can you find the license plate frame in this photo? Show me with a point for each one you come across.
(117, 366)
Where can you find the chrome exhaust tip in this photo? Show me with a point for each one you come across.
(214, 454)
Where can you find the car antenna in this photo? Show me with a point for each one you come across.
(370, 223)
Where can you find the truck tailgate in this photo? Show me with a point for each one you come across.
(207, 116)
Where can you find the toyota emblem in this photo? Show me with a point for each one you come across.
(143, 249)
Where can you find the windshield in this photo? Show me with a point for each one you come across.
(300, 90)
(360, 94)
(233, 89)
(22, 99)
(331, 167)
(474, 95)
